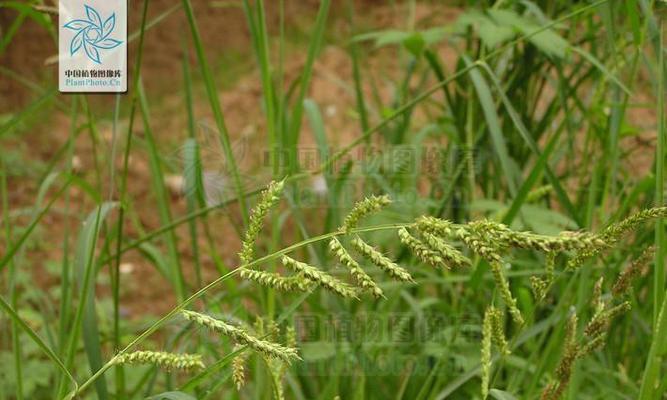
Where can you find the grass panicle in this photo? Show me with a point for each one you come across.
(487, 335)
(363, 209)
(625, 278)
(420, 249)
(570, 355)
(492, 333)
(241, 336)
(600, 322)
(362, 279)
(451, 256)
(614, 232)
(320, 278)
(504, 288)
(498, 330)
(379, 260)
(277, 281)
(268, 200)
(436, 226)
(239, 368)
(483, 238)
(541, 286)
(168, 361)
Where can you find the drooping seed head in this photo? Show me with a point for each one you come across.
(241, 336)
(364, 208)
(276, 281)
(419, 249)
(360, 276)
(269, 198)
(382, 262)
(320, 278)
(168, 361)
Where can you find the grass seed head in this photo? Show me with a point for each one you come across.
(168, 361)
(238, 368)
(624, 280)
(487, 334)
(320, 278)
(419, 249)
(276, 281)
(241, 336)
(451, 256)
(505, 293)
(364, 208)
(268, 200)
(379, 260)
(360, 276)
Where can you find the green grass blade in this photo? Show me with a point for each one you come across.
(214, 102)
(7, 309)
(85, 320)
(162, 198)
(33, 224)
(297, 112)
(508, 166)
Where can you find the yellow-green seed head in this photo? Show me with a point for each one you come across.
(241, 336)
(364, 208)
(320, 278)
(269, 198)
(360, 276)
(382, 262)
(168, 361)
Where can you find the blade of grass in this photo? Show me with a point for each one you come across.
(304, 83)
(85, 266)
(13, 294)
(120, 374)
(162, 198)
(37, 340)
(493, 124)
(33, 224)
(214, 102)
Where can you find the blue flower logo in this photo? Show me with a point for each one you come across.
(92, 34)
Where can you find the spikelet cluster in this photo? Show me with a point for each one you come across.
(484, 238)
(358, 274)
(541, 286)
(364, 208)
(492, 332)
(319, 277)
(497, 323)
(168, 361)
(624, 280)
(504, 288)
(595, 335)
(276, 281)
(600, 322)
(379, 260)
(238, 367)
(571, 352)
(451, 256)
(239, 335)
(614, 232)
(435, 226)
(487, 334)
(420, 249)
(268, 199)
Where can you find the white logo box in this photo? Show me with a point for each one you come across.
(92, 46)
